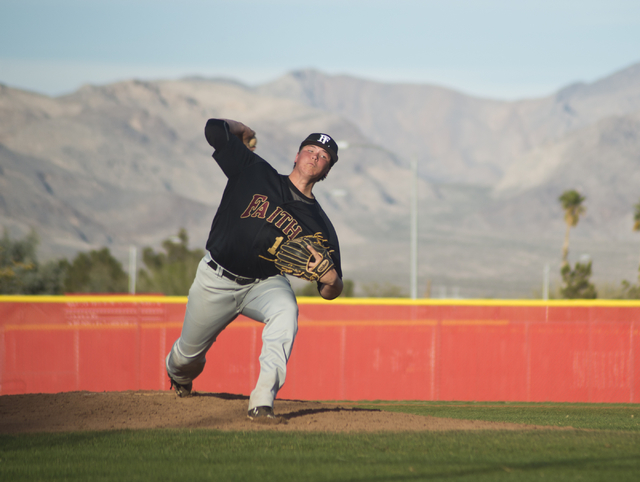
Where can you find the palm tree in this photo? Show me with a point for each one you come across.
(572, 204)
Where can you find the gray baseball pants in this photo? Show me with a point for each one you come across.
(214, 302)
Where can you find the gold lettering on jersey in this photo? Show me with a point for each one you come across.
(261, 211)
(277, 211)
(285, 216)
(292, 229)
(258, 208)
(273, 249)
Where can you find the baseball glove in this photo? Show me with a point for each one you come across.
(294, 257)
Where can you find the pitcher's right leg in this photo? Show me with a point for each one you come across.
(212, 305)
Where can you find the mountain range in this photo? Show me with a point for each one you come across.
(127, 164)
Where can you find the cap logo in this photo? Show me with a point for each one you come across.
(324, 141)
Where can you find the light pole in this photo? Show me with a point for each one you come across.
(414, 229)
(133, 255)
(413, 216)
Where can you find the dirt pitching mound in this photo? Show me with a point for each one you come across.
(79, 411)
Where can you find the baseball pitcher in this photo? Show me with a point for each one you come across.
(268, 225)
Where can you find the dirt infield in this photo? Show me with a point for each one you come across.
(78, 411)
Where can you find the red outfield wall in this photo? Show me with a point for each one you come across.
(348, 349)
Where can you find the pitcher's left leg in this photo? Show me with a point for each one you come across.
(272, 302)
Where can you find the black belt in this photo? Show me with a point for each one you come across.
(241, 280)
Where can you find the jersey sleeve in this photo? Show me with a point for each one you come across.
(333, 241)
(217, 133)
(229, 152)
(335, 256)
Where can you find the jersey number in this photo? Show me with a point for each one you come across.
(274, 248)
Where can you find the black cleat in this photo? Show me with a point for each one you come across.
(182, 391)
(261, 413)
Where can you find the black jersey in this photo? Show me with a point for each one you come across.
(259, 210)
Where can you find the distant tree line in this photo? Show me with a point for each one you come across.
(20, 271)
(169, 271)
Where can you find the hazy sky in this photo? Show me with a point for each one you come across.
(504, 49)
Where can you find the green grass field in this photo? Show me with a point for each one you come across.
(605, 446)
